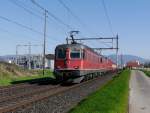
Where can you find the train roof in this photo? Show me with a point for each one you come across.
(78, 45)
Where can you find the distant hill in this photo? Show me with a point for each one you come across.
(1, 59)
(6, 57)
(127, 58)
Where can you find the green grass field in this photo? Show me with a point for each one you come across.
(146, 72)
(111, 98)
(9, 79)
(11, 73)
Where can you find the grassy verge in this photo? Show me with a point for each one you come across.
(8, 79)
(146, 72)
(111, 98)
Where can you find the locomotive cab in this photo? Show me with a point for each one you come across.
(68, 58)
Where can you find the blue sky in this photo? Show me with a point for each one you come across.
(129, 18)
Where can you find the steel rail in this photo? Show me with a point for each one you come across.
(25, 103)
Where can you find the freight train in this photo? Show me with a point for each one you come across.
(76, 62)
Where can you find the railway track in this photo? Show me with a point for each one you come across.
(12, 103)
(19, 97)
(24, 87)
(11, 90)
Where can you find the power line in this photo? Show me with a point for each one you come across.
(60, 21)
(29, 7)
(23, 6)
(75, 16)
(11, 34)
(57, 19)
(26, 9)
(35, 3)
(107, 16)
(70, 11)
(23, 26)
(14, 35)
(19, 24)
(31, 12)
(52, 15)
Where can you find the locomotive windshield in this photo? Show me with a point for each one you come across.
(75, 53)
(61, 53)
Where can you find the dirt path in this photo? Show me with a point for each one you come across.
(139, 100)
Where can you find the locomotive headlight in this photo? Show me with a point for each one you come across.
(76, 67)
(58, 67)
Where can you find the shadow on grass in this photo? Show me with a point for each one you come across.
(38, 81)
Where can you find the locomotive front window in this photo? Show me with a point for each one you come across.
(75, 54)
(61, 53)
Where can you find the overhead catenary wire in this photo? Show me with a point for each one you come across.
(30, 10)
(19, 24)
(75, 16)
(23, 2)
(22, 25)
(14, 35)
(21, 5)
(70, 11)
(32, 13)
(24, 8)
(108, 18)
(52, 15)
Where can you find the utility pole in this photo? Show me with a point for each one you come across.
(44, 41)
(67, 40)
(29, 63)
(121, 61)
(16, 54)
(117, 51)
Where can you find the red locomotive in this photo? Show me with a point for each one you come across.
(76, 62)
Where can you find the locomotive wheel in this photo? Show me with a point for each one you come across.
(93, 75)
(86, 77)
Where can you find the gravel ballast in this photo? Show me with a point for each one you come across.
(63, 102)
